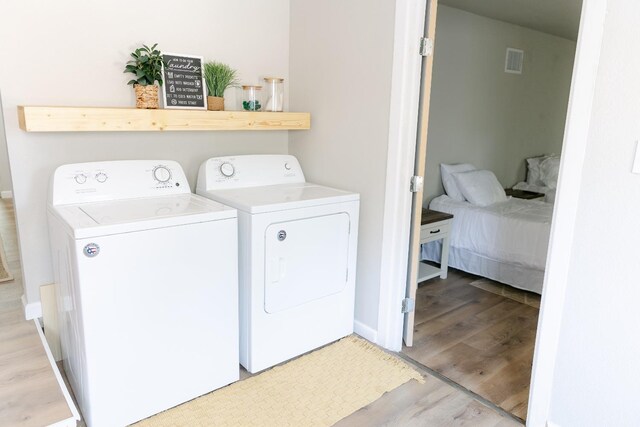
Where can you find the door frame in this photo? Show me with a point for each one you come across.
(409, 28)
(403, 131)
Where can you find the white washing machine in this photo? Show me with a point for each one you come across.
(298, 246)
(147, 287)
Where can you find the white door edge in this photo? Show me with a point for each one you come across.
(562, 228)
(403, 126)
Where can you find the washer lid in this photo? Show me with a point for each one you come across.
(122, 216)
(271, 198)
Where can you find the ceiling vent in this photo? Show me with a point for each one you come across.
(513, 62)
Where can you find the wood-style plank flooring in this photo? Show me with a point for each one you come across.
(434, 403)
(29, 392)
(478, 339)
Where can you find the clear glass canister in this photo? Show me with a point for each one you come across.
(252, 98)
(274, 95)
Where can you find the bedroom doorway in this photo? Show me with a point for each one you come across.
(473, 319)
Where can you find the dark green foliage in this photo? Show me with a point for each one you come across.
(146, 65)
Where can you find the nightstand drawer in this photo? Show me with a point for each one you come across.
(434, 231)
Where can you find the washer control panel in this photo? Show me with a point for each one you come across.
(220, 173)
(101, 181)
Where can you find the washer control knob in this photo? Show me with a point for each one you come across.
(81, 178)
(287, 166)
(101, 177)
(162, 173)
(227, 169)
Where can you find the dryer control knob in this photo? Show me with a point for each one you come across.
(81, 178)
(227, 169)
(101, 177)
(161, 173)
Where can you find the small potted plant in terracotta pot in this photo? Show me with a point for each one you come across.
(218, 78)
(147, 66)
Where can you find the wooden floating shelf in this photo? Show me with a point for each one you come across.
(109, 119)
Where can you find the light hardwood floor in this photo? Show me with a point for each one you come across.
(36, 402)
(29, 392)
(478, 339)
(434, 403)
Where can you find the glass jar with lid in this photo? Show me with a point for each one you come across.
(251, 98)
(274, 96)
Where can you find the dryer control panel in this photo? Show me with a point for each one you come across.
(116, 180)
(221, 173)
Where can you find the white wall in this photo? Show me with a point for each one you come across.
(341, 63)
(597, 371)
(72, 52)
(484, 116)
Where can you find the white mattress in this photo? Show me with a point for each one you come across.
(515, 231)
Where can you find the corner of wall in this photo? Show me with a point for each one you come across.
(365, 331)
(31, 310)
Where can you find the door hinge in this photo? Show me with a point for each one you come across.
(417, 183)
(408, 305)
(426, 46)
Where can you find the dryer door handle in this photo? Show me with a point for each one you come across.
(278, 269)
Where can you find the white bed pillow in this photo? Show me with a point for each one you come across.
(480, 187)
(549, 170)
(449, 183)
(534, 175)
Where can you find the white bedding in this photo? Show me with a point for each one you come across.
(549, 193)
(513, 232)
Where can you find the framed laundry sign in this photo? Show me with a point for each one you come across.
(183, 82)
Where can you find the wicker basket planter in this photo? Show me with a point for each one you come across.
(215, 103)
(146, 96)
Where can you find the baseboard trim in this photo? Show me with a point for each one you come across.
(365, 331)
(6, 194)
(31, 310)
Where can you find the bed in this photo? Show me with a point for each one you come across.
(506, 241)
(502, 238)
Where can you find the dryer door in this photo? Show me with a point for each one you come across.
(305, 260)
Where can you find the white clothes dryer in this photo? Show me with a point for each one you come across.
(298, 247)
(146, 281)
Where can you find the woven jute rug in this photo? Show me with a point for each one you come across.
(5, 274)
(317, 389)
(525, 297)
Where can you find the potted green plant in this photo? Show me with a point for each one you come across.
(147, 65)
(218, 77)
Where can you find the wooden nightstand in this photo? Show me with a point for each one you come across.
(523, 194)
(435, 226)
